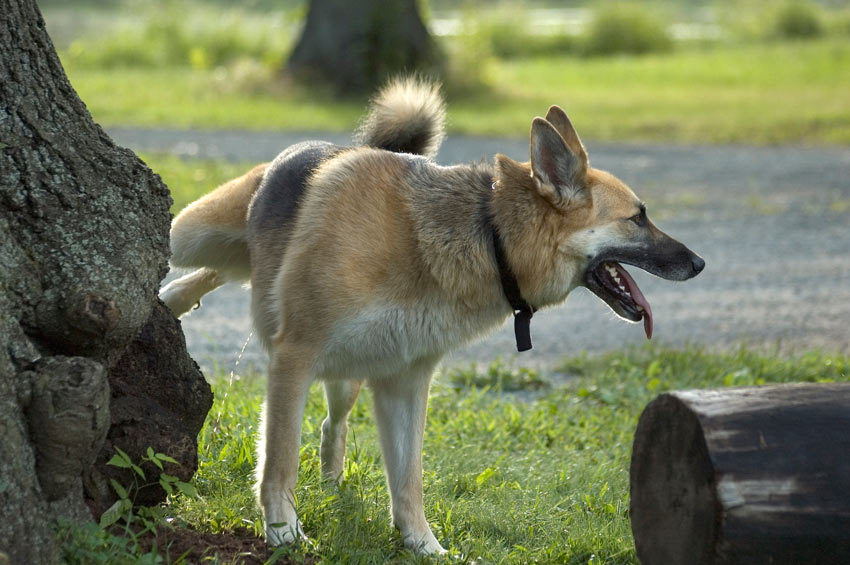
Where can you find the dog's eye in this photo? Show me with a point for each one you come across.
(639, 219)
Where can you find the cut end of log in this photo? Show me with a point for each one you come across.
(672, 507)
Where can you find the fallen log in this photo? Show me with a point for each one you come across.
(743, 475)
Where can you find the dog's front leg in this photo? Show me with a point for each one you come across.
(400, 406)
(277, 466)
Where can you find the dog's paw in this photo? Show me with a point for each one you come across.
(285, 534)
(424, 544)
(177, 299)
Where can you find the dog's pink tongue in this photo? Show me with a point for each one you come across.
(639, 299)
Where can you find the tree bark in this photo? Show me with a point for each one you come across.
(355, 46)
(83, 246)
(747, 475)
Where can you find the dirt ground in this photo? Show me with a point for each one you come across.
(772, 223)
(237, 548)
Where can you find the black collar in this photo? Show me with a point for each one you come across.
(523, 311)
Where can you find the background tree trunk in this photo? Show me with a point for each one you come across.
(83, 247)
(356, 45)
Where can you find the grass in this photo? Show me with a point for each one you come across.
(509, 478)
(764, 93)
(761, 93)
(189, 179)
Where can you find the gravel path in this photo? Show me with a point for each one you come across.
(773, 225)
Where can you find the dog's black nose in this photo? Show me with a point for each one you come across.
(698, 264)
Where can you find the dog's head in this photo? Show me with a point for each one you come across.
(580, 224)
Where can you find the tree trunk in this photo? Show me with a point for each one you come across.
(747, 475)
(83, 246)
(355, 45)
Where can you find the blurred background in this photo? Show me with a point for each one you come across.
(755, 72)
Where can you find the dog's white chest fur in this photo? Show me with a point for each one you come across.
(384, 340)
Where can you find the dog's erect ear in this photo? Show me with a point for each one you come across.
(562, 123)
(555, 166)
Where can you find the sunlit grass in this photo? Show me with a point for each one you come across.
(760, 93)
(189, 179)
(540, 476)
(763, 93)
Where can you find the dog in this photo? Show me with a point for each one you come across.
(369, 263)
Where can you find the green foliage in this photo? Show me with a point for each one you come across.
(508, 35)
(117, 537)
(166, 37)
(798, 20)
(521, 43)
(499, 376)
(625, 29)
(469, 60)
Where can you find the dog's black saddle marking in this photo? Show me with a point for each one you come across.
(280, 193)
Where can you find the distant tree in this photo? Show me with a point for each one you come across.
(90, 359)
(356, 45)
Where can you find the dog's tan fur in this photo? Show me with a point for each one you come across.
(386, 266)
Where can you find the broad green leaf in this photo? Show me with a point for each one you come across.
(166, 486)
(166, 458)
(111, 515)
(187, 489)
(119, 490)
(118, 461)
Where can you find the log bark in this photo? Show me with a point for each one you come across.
(354, 46)
(746, 475)
(83, 247)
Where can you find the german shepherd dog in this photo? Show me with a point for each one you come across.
(369, 263)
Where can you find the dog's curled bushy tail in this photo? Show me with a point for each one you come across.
(406, 116)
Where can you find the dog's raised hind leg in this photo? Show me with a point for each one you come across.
(400, 406)
(277, 463)
(181, 295)
(341, 396)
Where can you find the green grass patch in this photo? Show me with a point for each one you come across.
(539, 477)
(763, 93)
(756, 94)
(189, 179)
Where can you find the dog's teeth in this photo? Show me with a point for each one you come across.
(612, 271)
(623, 288)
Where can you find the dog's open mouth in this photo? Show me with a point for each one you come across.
(612, 283)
